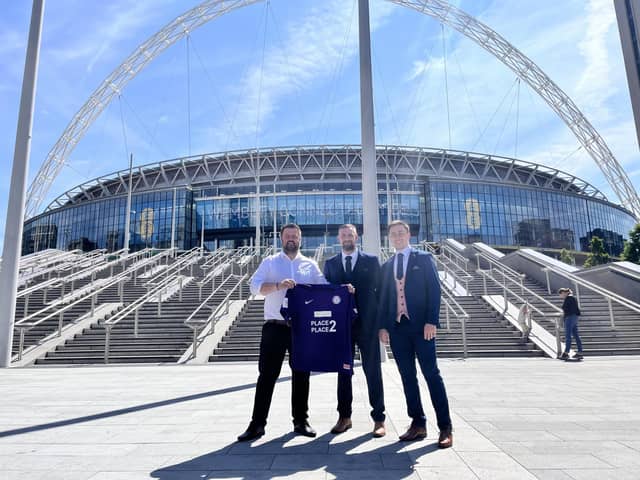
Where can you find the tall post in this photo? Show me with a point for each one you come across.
(17, 191)
(258, 216)
(173, 220)
(370, 212)
(127, 218)
(275, 219)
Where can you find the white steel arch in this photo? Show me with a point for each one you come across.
(455, 18)
(113, 85)
(528, 71)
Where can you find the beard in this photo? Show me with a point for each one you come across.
(290, 247)
(348, 247)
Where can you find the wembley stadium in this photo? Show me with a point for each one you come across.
(210, 200)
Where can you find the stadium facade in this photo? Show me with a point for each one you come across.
(212, 199)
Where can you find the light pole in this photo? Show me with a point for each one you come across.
(370, 214)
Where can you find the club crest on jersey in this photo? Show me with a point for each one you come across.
(336, 299)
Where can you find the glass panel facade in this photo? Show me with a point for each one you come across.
(505, 215)
(469, 211)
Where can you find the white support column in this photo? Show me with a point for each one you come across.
(173, 220)
(127, 217)
(257, 206)
(370, 208)
(17, 192)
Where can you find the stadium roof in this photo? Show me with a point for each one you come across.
(324, 163)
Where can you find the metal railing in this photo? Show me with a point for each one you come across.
(319, 253)
(452, 307)
(455, 257)
(134, 308)
(25, 324)
(199, 325)
(524, 298)
(187, 260)
(578, 282)
(458, 276)
(503, 270)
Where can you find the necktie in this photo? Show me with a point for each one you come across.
(347, 267)
(400, 268)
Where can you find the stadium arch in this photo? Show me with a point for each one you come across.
(442, 10)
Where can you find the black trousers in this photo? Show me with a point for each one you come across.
(275, 342)
(369, 346)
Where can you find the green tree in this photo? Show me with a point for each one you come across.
(598, 256)
(632, 246)
(566, 257)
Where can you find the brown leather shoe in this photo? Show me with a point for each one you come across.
(343, 424)
(379, 430)
(414, 433)
(445, 440)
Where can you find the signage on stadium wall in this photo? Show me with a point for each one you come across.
(472, 207)
(145, 225)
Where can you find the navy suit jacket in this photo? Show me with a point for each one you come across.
(364, 278)
(422, 292)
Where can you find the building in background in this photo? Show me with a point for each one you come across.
(211, 199)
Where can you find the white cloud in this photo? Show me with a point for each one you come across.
(596, 83)
(313, 48)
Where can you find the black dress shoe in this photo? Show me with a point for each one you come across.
(414, 433)
(445, 439)
(303, 428)
(344, 424)
(251, 433)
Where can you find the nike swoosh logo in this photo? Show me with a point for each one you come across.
(307, 302)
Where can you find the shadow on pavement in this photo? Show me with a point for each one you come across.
(385, 460)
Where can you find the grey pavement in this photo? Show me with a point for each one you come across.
(513, 419)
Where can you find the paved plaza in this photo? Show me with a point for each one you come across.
(513, 419)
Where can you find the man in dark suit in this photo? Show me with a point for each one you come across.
(408, 316)
(361, 270)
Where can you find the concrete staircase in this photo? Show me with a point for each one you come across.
(161, 338)
(487, 335)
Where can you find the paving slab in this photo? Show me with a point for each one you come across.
(513, 419)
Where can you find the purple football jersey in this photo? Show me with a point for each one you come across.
(321, 318)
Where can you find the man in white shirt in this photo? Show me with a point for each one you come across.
(274, 276)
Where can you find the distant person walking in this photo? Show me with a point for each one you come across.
(571, 316)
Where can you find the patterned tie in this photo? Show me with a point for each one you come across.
(400, 270)
(347, 267)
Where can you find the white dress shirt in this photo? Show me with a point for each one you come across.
(405, 261)
(354, 259)
(278, 267)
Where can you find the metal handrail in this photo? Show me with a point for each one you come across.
(54, 265)
(188, 259)
(557, 312)
(319, 253)
(24, 326)
(448, 253)
(134, 308)
(513, 273)
(450, 306)
(215, 315)
(607, 294)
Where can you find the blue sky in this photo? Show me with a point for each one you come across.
(287, 74)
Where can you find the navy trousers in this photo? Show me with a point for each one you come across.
(407, 344)
(369, 346)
